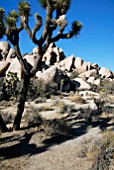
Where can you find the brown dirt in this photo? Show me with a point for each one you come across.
(32, 149)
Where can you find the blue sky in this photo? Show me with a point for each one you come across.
(95, 41)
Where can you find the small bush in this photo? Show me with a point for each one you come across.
(94, 88)
(103, 152)
(51, 127)
(38, 88)
(7, 117)
(7, 103)
(56, 127)
(76, 98)
(61, 107)
(74, 74)
(106, 87)
(47, 108)
(32, 117)
(9, 86)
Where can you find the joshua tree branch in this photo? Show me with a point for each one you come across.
(62, 27)
(23, 63)
(49, 12)
(38, 61)
(35, 29)
(20, 27)
(28, 30)
(76, 27)
(62, 36)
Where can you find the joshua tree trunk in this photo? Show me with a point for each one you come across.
(22, 100)
(8, 25)
(3, 127)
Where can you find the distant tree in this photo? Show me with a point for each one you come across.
(9, 28)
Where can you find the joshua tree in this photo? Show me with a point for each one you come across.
(9, 28)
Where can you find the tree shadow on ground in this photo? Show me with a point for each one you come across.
(20, 148)
(21, 145)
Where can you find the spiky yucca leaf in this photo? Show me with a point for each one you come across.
(62, 4)
(37, 16)
(1, 25)
(11, 21)
(24, 8)
(1, 13)
(43, 3)
(57, 4)
(76, 27)
(13, 14)
(1, 30)
(1, 22)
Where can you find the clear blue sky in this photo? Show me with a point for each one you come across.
(95, 43)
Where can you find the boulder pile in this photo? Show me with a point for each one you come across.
(56, 67)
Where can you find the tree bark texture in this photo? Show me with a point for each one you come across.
(3, 127)
(22, 100)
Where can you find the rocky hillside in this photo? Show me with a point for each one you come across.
(72, 71)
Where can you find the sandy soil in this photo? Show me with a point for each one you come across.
(36, 151)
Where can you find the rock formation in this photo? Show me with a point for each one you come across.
(55, 67)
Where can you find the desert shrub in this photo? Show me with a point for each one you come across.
(8, 86)
(94, 87)
(74, 74)
(98, 76)
(62, 82)
(100, 151)
(51, 127)
(89, 115)
(103, 151)
(38, 88)
(7, 103)
(60, 106)
(40, 100)
(106, 87)
(57, 127)
(32, 117)
(7, 117)
(76, 98)
(47, 108)
(85, 114)
(1, 88)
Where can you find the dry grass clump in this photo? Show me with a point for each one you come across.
(32, 117)
(106, 87)
(61, 107)
(56, 127)
(76, 98)
(7, 103)
(8, 117)
(101, 152)
(38, 88)
(51, 127)
(47, 108)
(109, 99)
(39, 100)
(74, 74)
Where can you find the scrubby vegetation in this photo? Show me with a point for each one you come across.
(38, 88)
(74, 75)
(8, 86)
(102, 152)
(105, 88)
(76, 98)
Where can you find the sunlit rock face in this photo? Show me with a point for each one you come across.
(4, 49)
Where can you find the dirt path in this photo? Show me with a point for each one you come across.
(64, 156)
(40, 153)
